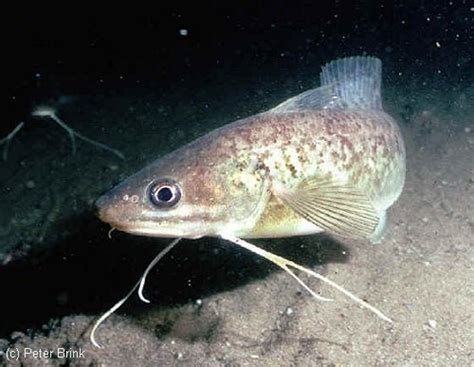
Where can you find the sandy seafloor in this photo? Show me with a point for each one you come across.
(214, 304)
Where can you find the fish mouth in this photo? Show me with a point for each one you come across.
(111, 215)
(141, 229)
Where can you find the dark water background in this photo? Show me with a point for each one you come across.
(53, 55)
(138, 84)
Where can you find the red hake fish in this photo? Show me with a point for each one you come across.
(329, 159)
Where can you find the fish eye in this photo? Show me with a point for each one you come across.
(165, 194)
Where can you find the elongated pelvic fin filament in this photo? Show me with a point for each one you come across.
(285, 264)
(150, 266)
(140, 284)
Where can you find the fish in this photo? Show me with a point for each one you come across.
(327, 160)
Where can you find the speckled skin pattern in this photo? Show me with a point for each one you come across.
(227, 176)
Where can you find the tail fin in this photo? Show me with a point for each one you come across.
(356, 81)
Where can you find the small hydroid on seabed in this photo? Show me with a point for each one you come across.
(49, 112)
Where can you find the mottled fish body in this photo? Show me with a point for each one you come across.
(328, 159)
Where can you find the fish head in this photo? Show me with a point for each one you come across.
(187, 195)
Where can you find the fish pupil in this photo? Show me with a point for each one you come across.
(165, 194)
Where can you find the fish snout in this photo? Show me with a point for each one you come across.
(121, 208)
(113, 209)
(103, 208)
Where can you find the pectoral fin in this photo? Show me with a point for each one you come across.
(336, 207)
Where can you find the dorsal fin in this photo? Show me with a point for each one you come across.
(349, 83)
(356, 80)
(313, 99)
